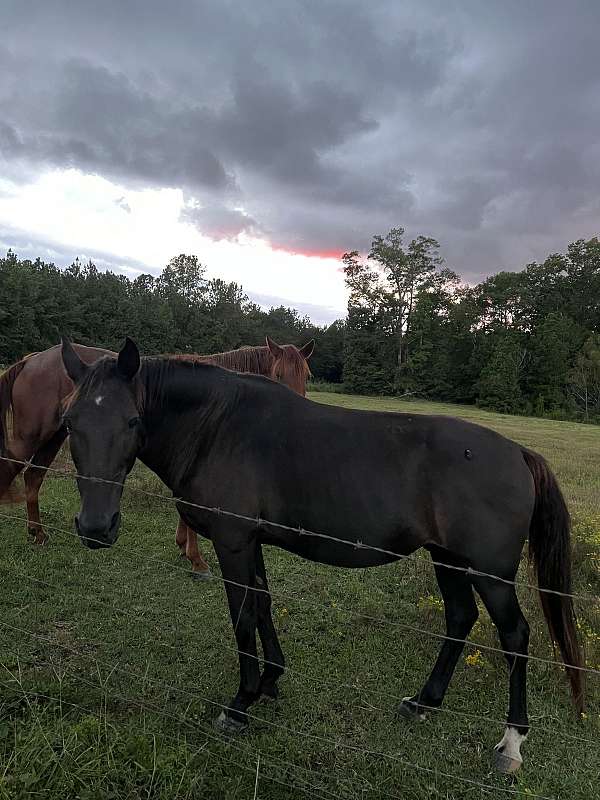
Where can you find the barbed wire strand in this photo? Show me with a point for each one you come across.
(293, 731)
(144, 706)
(382, 620)
(198, 728)
(300, 531)
(293, 671)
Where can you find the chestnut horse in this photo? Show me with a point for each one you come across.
(34, 388)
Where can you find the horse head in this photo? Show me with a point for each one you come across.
(289, 364)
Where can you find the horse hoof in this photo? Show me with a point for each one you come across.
(506, 764)
(205, 575)
(228, 725)
(409, 710)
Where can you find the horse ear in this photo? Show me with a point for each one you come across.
(74, 366)
(276, 350)
(307, 349)
(128, 362)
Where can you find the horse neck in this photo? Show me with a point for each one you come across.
(183, 418)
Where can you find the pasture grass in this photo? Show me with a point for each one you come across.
(113, 664)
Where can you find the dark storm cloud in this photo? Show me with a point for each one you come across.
(320, 124)
(219, 221)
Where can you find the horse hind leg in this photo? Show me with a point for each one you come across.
(181, 538)
(273, 654)
(461, 614)
(34, 477)
(503, 606)
(11, 465)
(9, 493)
(200, 569)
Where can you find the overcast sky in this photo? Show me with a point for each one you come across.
(270, 137)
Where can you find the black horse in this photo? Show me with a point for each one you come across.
(393, 482)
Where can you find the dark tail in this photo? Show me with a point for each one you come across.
(550, 552)
(7, 381)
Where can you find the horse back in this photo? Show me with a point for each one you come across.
(396, 482)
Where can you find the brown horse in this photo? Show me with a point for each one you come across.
(34, 388)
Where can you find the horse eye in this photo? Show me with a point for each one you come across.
(133, 422)
(68, 425)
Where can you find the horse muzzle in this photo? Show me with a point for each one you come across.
(97, 534)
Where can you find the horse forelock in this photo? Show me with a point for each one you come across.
(300, 364)
(99, 372)
(293, 369)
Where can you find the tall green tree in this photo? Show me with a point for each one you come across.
(584, 378)
(500, 379)
(390, 291)
(552, 345)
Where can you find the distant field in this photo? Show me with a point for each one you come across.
(114, 663)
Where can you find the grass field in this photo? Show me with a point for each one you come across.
(114, 663)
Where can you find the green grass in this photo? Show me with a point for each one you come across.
(110, 685)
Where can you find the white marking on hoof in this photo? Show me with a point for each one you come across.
(228, 725)
(98, 399)
(408, 709)
(508, 751)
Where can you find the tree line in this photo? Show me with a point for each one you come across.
(179, 311)
(523, 342)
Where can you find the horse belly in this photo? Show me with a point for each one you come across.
(367, 540)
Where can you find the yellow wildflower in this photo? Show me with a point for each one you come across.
(474, 659)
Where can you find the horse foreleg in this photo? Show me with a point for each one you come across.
(239, 572)
(461, 614)
(34, 477)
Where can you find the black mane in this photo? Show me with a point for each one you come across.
(159, 376)
(197, 397)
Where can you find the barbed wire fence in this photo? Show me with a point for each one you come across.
(314, 789)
